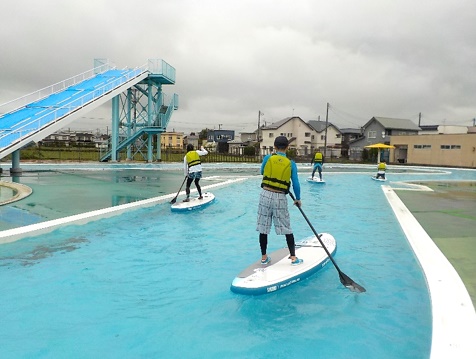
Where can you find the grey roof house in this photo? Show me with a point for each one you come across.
(379, 130)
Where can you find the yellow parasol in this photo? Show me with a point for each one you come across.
(379, 146)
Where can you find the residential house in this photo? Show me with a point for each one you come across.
(333, 146)
(304, 137)
(220, 135)
(249, 137)
(298, 132)
(236, 146)
(68, 138)
(193, 140)
(172, 140)
(221, 138)
(349, 135)
(379, 130)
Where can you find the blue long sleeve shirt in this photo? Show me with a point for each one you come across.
(294, 174)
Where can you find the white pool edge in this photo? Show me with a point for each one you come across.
(453, 313)
(15, 234)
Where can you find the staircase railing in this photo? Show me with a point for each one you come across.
(52, 89)
(16, 133)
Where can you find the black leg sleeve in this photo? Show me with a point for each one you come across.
(187, 188)
(263, 243)
(291, 246)
(199, 189)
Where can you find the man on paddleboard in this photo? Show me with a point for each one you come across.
(278, 172)
(192, 167)
(317, 161)
(381, 168)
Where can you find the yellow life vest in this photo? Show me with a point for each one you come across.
(318, 157)
(193, 158)
(277, 173)
(381, 166)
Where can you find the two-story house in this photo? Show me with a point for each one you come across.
(379, 130)
(304, 137)
(333, 145)
(172, 140)
(298, 132)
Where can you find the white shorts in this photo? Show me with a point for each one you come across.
(273, 208)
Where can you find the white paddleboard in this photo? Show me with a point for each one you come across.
(194, 203)
(279, 273)
(378, 179)
(315, 179)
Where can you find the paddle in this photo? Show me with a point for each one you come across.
(344, 279)
(175, 199)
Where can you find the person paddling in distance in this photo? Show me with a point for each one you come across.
(278, 172)
(192, 166)
(381, 168)
(318, 161)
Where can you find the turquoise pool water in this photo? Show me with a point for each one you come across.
(153, 283)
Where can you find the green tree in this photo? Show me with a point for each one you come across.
(203, 134)
(249, 151)
(291, 153)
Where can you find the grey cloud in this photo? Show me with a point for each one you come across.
(367, 58)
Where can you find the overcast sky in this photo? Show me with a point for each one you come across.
(389, 58)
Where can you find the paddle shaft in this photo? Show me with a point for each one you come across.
(175, 199)
(316, 234)
(344, 279)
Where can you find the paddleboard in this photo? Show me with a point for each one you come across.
(279, 273)
(315, 179)
(194, 203)
(378, 179)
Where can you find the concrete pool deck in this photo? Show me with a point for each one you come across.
(453, 313)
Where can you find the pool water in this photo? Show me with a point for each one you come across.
(154, 283)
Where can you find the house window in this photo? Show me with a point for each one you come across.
(323, 137)
(450, 147)
(372, 134)
(337, 135)
(271, 135)
(307, 134)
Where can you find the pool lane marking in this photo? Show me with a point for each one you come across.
(15, 234)
(453, 312)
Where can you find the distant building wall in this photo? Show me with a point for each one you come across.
(458, 150)
(171, 140)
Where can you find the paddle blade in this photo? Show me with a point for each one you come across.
(350, 284)
(174, 200)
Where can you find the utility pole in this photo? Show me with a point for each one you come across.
(419, 119)
(325, 133)
(259, 119)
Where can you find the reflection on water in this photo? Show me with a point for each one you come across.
(33, 255)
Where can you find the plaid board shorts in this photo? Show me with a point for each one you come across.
(273, 208)
(194, 175)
